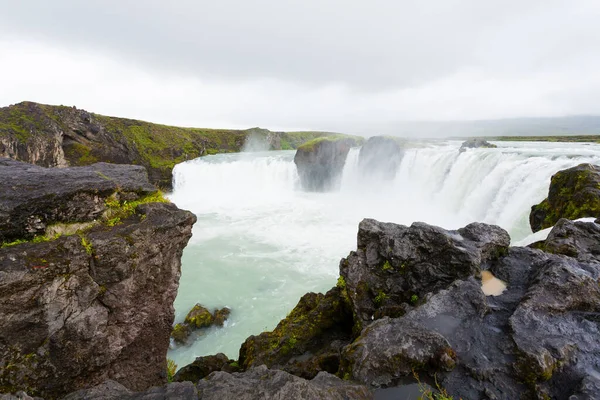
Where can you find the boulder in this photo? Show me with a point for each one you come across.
(380, 157)
(574, 193)
(204, 366)
(92, 304)
(307, 341)
(395, 266)
(577, 239)
(197, 319)
(264, 383)
(321, 161)
(476, 143)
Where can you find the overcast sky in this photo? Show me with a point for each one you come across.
(286, 64)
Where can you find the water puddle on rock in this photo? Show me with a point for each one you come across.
(490, 285)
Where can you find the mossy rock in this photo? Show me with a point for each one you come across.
(314, 332)
(574, 193)
(181, 333)
(199, 317)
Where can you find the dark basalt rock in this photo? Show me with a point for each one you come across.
(320, 162)
(580, 240)
(395, 266)
(380, 157)
(307, 341)
(476, 143)
(204, 366)
(34, 197)
(97, 305)
(574, 193)
(263, 383)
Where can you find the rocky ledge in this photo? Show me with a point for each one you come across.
(89, 269)
(574, 193)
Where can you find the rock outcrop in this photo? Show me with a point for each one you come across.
(476, 143)
(320, 162)
(89, 268)
(307, 341)
(59, 136)
(395, 266)
(574, 193)
(199, 317)
(380, 157)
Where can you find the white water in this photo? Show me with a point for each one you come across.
(261, 242)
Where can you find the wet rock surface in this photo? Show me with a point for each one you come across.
(94, 305)
(380, 157)
(320, 162)
(574, 193)
(395, 266)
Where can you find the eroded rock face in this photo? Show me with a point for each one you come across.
(574, 193)
(395, 266)
(320, 162)
(263, 383)
(307, 341)
(79, 309)
(476, 143)
(380, 157)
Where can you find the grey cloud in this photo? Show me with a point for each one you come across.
(367, 45)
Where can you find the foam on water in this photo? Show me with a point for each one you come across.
(261, 242)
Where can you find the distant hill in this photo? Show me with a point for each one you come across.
(555, 126)
(53, 136)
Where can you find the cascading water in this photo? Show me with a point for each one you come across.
(260, 242)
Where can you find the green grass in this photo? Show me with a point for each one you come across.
(310, 145)
(575, 138)
(119, 210)
(171, 370)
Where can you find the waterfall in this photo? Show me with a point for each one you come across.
(261, 242)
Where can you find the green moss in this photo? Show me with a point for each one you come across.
(414, 299)
(380, 298)
(234, 364)
(87, 245)
(387, 266)
(118, 210)
(199, 317)
(310, 145)
(341, 283)
(79, 154)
